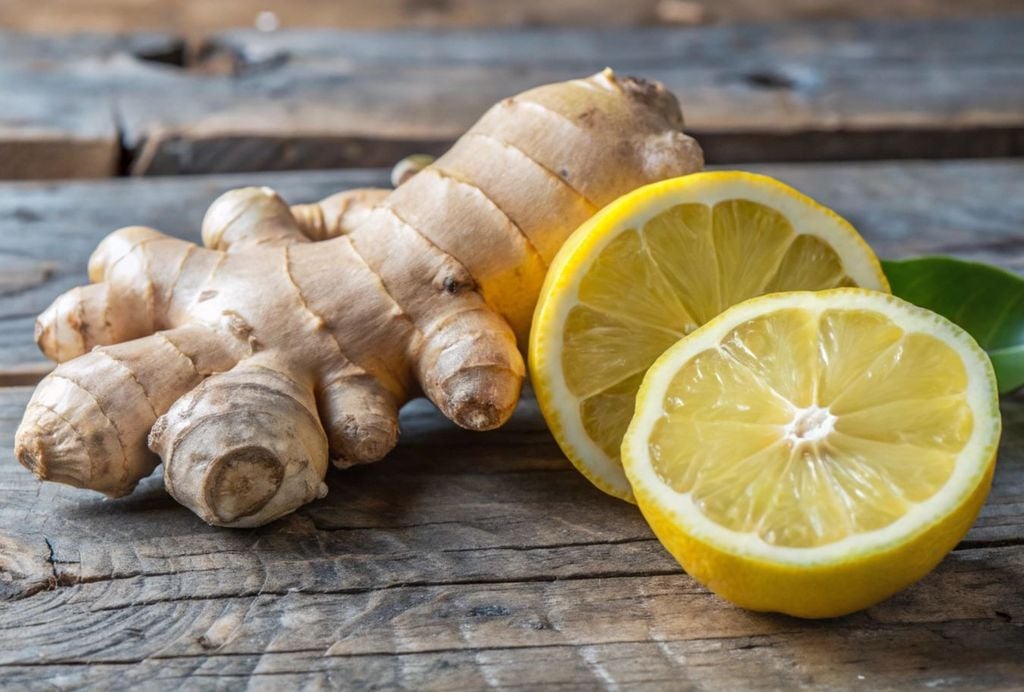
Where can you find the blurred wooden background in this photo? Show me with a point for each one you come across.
(195, 18)
(189, 86)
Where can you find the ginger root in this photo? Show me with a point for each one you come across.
(296, 333)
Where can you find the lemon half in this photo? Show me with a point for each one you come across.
(814, 452)
(652, 267)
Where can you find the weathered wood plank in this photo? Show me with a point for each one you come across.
(753, 93)
(792, 91)
(864, 43)
(932, 657)
(50, 128)
(198, 17)
(494, 565)
(21, 48)
(777, 654)
(970, 209)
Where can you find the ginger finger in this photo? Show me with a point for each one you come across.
(470, 368)
(249, 217)
(361, 419)
(338, 214)
(136, 271)
(87, 422)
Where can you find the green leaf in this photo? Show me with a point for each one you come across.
(986, 301)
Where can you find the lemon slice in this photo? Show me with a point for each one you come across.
(813, 453)
(652, 267)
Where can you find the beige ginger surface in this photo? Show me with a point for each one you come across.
(295, 334)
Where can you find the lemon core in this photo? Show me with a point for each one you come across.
(810, 424)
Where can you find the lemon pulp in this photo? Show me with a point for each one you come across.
(804, 429)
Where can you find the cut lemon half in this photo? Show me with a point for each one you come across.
(813, 453)
(652, 267)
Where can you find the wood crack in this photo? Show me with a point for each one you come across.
(60, 580)
(52, 560)
(981, 544)
(750, 641)
(552, 546)
(610, 574)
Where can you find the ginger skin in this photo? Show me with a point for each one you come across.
(295, 335)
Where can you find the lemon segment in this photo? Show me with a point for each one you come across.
(814, 452)
(651, 268)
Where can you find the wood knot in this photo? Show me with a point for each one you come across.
(221, 632)
(767, 79)
(489, 611)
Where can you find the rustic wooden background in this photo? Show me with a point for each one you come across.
(102, 106)
(465, 560)
(196, 18)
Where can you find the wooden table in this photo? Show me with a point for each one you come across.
(473, 560)
(464, 560)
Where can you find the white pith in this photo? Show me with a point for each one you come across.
(809, 424)
(968, 471)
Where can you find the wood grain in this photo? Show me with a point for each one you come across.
(464, 560)
(969, 209)
(306, 99)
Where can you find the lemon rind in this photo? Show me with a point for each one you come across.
(972, 465)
